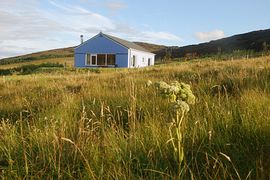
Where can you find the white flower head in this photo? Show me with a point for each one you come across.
(180, 105)
(174, 89)
(177, 93)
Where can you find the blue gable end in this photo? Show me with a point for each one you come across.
(101, 45)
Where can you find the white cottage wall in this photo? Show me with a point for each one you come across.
(142, 59)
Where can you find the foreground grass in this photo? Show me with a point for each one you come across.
(109, 125)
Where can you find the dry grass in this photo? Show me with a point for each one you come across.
(80, 124)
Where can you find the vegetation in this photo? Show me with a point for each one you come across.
(29, 68)
(180, 96)
(67, 62)
(109, 124)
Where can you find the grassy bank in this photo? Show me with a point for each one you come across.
(109, 125)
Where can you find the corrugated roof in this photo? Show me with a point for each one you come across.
(125, 43)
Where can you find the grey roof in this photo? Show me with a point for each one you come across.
(125, 43)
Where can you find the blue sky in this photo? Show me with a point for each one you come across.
(28, 26)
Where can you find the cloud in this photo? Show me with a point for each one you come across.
(161, 36)
(135, 34)
(24, 21)
(38, 29)
(208, 36)
(12, 49)
(115, 6)
(77, 19)
(27, 26)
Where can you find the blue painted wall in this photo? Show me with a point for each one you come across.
(122, 60)
(101, 45)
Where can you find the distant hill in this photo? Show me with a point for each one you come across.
(254, 41)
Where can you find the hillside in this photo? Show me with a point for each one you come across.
(50, 54)
(252, 41)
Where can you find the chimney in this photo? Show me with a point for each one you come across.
(81, 39)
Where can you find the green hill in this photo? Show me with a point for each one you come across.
(255, 41)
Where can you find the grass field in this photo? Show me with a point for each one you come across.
(107, 124)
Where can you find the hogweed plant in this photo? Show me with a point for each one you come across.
(180, 98)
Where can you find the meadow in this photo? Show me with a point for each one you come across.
(107, 124)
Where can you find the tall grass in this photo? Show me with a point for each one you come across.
(80, 125)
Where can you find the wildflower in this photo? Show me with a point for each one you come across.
(180, 105)
(162, 85)
(174, 89)
(180, 96)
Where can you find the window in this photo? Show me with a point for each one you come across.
(88, 59)
(111, 59)
(101, 59)
(143, 59)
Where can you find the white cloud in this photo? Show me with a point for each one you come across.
(27, 27)
(115, 6)
(18, 27)
(13, 50)
(161, 36)
(208, 36)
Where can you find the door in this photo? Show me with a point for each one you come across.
(93, 59)
(134, 61)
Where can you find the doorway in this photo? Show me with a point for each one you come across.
(134, 61)
(94, 59)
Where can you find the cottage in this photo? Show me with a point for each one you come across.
(108, 51)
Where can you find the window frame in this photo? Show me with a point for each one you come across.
(87, 57)
(114, 59)
(93, 55)
(96, 57)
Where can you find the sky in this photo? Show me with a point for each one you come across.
(28, 26)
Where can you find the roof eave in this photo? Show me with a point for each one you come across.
(142, 51)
